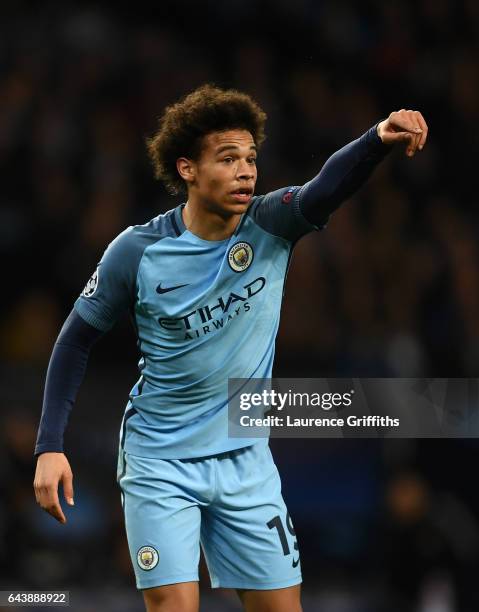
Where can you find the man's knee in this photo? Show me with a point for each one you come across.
(276, 600)
(183, 596)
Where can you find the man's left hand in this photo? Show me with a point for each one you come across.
(404, 126)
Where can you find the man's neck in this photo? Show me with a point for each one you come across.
(208, 225)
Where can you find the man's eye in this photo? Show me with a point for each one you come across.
(252, 160)
(228, 160)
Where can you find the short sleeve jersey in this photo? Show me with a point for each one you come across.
(204, 311)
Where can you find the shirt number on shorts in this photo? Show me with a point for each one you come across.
(277, 523)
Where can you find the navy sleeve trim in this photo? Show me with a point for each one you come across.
(93, 320)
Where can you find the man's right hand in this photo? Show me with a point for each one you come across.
(53, 468)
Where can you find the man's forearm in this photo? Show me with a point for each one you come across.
(342, 174)
(65, 374)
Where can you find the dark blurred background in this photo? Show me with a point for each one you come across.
(391, 288)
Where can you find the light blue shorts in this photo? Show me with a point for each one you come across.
(230, 503)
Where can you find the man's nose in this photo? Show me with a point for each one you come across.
(245, 170)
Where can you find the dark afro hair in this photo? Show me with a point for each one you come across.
(184, 124)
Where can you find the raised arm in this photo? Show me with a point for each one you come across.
(350, 167)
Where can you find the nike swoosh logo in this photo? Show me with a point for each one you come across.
(161, 289)
(296, 563)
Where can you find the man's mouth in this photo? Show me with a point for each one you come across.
(242, 195)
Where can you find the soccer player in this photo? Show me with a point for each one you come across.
(204, 284)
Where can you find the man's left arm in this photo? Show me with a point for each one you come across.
(295, 211)
(350, 167)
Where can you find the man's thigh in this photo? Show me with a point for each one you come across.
(162, 522)
(247, 534)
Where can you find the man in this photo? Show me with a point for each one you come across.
(204, 282)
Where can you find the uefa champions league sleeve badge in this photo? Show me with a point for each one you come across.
(91, 285)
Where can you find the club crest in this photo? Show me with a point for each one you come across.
(147, 558)
(240, 256)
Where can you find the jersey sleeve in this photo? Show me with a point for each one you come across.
(112, 287)
(343, 174)
(292, 212)
(65, 373)
(279, 213)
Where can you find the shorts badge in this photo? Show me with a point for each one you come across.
(147, 557)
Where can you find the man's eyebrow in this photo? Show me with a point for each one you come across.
(229, 147)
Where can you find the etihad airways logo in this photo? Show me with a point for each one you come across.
(211, 317)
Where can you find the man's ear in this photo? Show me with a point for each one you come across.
(186, 169)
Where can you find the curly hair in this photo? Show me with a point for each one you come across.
(184, 124)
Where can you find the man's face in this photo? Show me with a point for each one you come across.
(225, 174)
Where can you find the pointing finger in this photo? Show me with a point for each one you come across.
(411, 150)
(56, 511)
(422, 123)
(48, 500)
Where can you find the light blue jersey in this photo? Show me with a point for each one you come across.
(204, 311)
